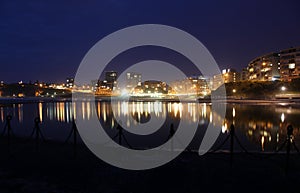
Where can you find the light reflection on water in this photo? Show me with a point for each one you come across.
(259, 127)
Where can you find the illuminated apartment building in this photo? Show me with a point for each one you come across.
(290, 64)
(264, 68)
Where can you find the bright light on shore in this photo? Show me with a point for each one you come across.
(283, 88)
(282, 117)
(124, 92)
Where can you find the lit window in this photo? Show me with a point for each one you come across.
(292, 66)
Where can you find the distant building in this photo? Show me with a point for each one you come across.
(111, 79)
(94, 84)
(102, 88)
(133, 80)
(264, 68)
(204, 87)
(154, 87)
(217, 81)
(244, 75)
(196, 85)
(227, 76)
(290, 64)
(230, 75)
(70, 82)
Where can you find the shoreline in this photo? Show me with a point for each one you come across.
(10, 100)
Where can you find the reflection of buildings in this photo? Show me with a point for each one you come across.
(65, 111)
(264, 68)
(290, 63)
(264, 127)
(261, 132)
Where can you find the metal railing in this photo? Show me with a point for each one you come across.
(38, 137)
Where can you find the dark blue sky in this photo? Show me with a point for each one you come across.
(47, 40)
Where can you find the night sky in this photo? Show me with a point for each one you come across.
(47, 40)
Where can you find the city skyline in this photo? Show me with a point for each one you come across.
(35, 42)
(278, 65)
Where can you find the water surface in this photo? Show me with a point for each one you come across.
(260, 127)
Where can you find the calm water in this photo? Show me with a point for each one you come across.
(259, 127)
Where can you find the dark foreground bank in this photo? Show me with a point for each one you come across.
(55, 170)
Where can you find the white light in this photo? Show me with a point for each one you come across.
(292, 66)
(262, 143)
(233, 112)
(283, 88)
(282, 117)
(124, 92)
(224, 128)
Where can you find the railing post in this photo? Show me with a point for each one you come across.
(232, 134)
(75, 138)
(290, 130)
(171, 134)
(37, 134)
(8, 119)
(120, 133)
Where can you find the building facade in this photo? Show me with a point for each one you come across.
(244, 75)
(133, 80)
(154, 87)
(264, 68)
(111, 79)
(195, 85)
(227, 76)
(70, 82)
(230, 75)
(290, 64)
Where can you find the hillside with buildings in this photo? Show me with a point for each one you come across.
(263, 90)
(273, 75)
